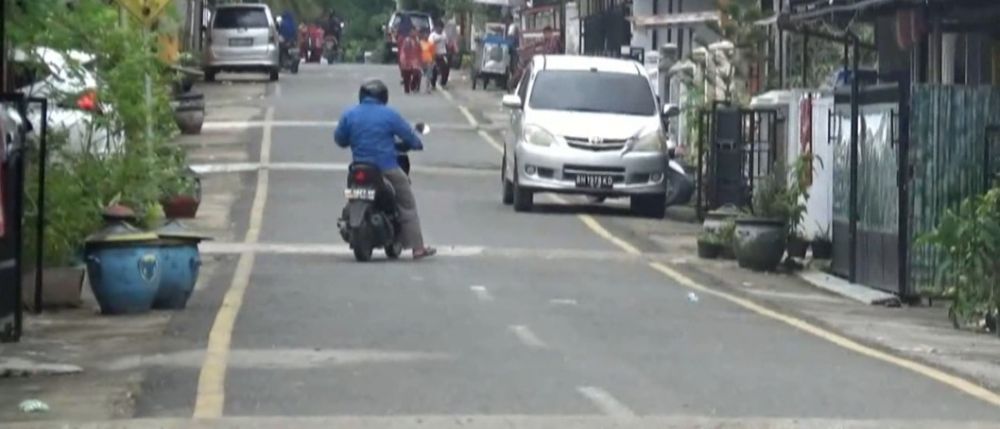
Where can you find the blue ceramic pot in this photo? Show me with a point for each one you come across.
(180, 262)
(124, 277)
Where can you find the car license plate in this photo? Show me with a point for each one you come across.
(597, 181)
(359, 194)
(241, 42)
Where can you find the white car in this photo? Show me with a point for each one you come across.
(590, 126)
(68, 82)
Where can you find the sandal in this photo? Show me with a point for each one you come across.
(423, 253)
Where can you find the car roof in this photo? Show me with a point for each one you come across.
(581, 62)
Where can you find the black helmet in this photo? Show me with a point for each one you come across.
(375, 89)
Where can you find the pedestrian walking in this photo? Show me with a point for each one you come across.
(427, 58)
(442, 69)
(411, 62)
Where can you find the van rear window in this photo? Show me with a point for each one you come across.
(240, 17)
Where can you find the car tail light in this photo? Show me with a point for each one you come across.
(360, 176)
(87, 101)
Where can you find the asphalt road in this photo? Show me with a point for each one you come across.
(522, 314)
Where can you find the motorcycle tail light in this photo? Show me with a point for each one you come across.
(360, 176)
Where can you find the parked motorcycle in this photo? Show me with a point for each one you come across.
(680, 184)
(370, 220)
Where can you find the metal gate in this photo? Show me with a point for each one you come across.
(604, 33)
(736, 148)
(868, 215)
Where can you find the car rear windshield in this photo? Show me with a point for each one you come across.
(420, 22)
(241, 17)
(590, 91)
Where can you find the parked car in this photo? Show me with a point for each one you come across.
(242, 38)
(420, 20)
(68, 82)
(586, 125)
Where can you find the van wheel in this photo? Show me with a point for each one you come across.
(274, 75)
(209, 75)
(524, 199)
(651, 206)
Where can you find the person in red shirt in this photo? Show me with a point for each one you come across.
(411, 61)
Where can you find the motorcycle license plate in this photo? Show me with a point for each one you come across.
(360, 194)
(596, 181)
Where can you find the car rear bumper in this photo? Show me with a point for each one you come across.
(555, 169)
(262, 57)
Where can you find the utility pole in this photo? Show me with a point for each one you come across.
(399, 4)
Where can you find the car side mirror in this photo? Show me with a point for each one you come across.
(422, 128)
(670, 110)
(511, 101)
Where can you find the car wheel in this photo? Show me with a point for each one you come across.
(274, 75)
(507, 187)
(524, 199)
(651, 206)
(209, 75)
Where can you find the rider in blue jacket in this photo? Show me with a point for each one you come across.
(370, 129)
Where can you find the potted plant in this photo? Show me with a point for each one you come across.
(761, 237)
(797, 195)
(709, 245)
(727, 236)
(180, 187)
(822, 245)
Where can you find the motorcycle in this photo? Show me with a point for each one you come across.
(680, 184)
(370, 220)
(330, 49)
(290, 57)
(311, 40)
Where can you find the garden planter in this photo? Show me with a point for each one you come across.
(716, 220)
(760, 243)
(61, 287)
(180, 206)
(822, 249)
(797, 247)
(709, 250)
(123, 265)
(181, 263)
(190, 112)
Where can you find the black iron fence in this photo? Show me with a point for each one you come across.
(736, 147)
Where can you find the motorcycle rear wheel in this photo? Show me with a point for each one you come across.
(394, 250)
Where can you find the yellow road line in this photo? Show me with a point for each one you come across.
(211, 396)
(955, 382)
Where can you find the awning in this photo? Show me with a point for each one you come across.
(493, 2)
(683, 19)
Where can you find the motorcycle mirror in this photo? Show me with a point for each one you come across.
(422, 128)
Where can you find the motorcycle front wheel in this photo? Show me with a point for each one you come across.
(362, 250)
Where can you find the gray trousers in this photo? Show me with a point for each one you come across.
(409, 221)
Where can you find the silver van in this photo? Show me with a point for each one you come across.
(242, 38)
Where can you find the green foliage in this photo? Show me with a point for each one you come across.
(771, 196)
(80, 183)
(969, 241)
(727, 234)
(710, 237)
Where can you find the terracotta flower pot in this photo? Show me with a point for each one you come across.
(180, 206)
